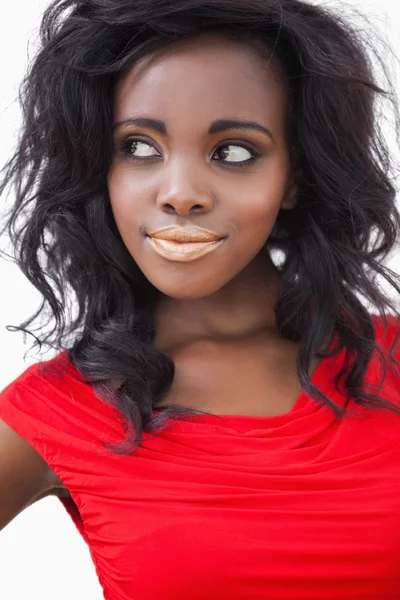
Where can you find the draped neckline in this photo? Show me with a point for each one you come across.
(322, 378)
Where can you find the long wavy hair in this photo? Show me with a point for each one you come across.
(97, 305)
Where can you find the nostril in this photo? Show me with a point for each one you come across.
(171, 208)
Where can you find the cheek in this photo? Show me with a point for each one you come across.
(125, 200)
(257, 208)
(256, 216)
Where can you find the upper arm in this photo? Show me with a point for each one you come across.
(25, 477)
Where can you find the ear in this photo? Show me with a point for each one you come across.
(289, 200)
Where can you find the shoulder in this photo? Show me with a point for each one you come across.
(51, 404)
(389, 324)
(387, 334)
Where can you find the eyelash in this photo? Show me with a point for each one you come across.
(126, 145)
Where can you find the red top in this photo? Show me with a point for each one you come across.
(291, 506)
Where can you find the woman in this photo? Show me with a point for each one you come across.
(170, 151)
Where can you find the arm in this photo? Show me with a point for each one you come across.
(25, 477)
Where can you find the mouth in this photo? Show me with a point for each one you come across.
(184, 244)
(188, 234)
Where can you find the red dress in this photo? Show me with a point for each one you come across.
(296, 506)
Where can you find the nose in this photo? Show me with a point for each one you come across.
(180, 195)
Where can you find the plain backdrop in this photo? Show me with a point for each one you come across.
(41, 553)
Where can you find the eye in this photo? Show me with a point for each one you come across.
(238, 154)
(137, 149)
(140, 150)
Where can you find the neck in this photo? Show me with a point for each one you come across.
(241, 308)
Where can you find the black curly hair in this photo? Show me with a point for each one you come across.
(333, 242)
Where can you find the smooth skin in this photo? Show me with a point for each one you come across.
(215, 315)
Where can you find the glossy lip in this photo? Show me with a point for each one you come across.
(181, 251)
(184, 244)
(189, 233)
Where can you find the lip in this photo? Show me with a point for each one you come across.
(187, 234)
(184, 244)
(183, 251)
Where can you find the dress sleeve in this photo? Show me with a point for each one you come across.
(29, 409)
(60, 416)
(42, 407)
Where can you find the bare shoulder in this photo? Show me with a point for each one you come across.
(25, 477)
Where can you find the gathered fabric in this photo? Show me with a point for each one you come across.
(301, 505)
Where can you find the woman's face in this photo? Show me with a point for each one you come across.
(181, 165)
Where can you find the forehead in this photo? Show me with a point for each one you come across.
(199, 80)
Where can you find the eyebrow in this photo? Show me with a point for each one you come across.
(215, 127)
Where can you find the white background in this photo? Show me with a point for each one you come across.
(41, 553)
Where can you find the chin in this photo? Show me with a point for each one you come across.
(185, 290)
(186, 293)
